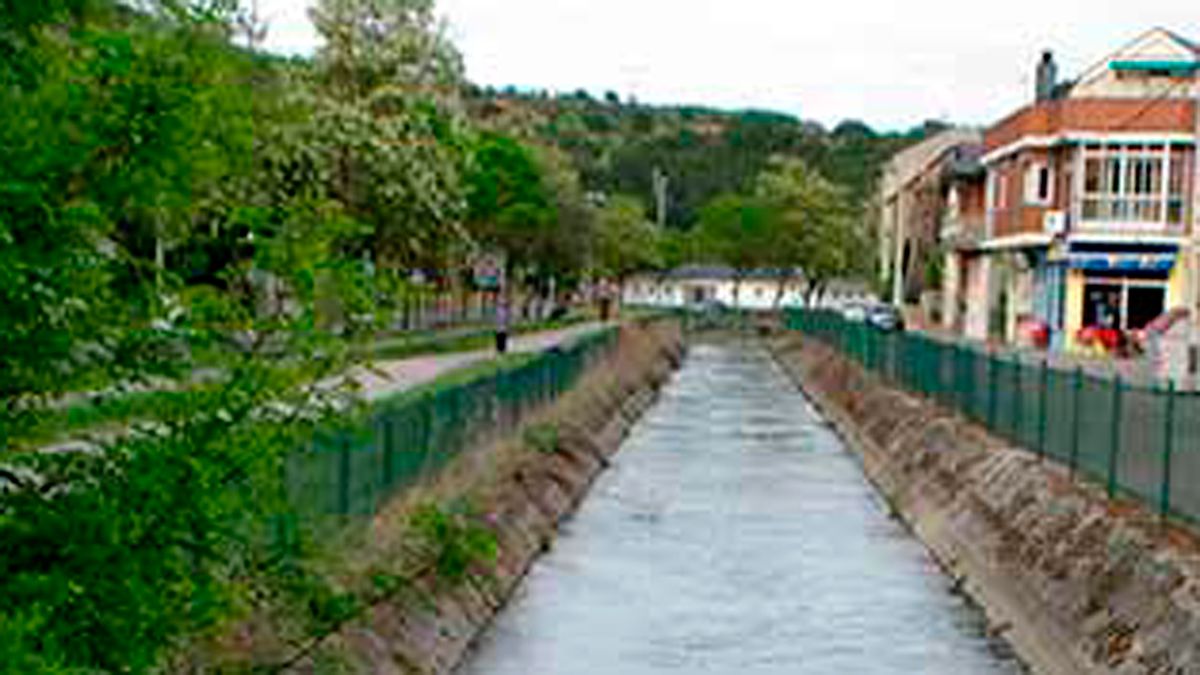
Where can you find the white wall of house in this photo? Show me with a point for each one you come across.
(1100, 81)
(753, 294)
(952, 284)
(975, 322)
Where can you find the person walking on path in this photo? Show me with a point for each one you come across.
(501, 324)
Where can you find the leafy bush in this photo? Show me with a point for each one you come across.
(542, 438)
(455, 540)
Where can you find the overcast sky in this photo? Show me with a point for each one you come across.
(891, 64)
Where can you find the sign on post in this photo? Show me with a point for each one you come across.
(488, 269)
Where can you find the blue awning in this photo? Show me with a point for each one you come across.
(1121, 262)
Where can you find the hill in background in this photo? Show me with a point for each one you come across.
(617, 145)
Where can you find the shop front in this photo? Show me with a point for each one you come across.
(1113, 294)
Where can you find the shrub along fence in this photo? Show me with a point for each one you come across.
(353, 470)
(1136, 439)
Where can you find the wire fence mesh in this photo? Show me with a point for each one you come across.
(355, 468)
(1135, 439)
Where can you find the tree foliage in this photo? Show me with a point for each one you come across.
(741, 231)
(816, 227)
(386, 124)
(617, 146)
(186, 216)
(627, 241)
(179, 213)
(792, 220)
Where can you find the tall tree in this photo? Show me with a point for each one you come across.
(510, 205)
(388, 124)
(627, 241)
(740, 231)
(814, 225)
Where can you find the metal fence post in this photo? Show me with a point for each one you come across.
(1164, 497)
(389, 450)
(1077, 394)
(1043, 396)
(1114, 447)
(960, 378)
(991, 385)
(428, 433)
(344, 474)
(1016, 416)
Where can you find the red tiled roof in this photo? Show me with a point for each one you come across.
(1094, 115)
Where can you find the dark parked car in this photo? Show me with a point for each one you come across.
(885, 318)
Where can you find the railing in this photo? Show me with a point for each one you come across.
(1136, 440)
(353, 471)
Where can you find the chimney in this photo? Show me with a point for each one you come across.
(1047, 76)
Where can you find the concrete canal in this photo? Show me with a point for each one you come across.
(734, 534)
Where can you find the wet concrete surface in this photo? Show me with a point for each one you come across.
(734, 534)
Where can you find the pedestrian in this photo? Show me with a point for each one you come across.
(606, 301)
(501, 324)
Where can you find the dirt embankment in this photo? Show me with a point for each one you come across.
(1076, 582)
(525, 493)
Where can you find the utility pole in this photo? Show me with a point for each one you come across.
(661, 180)
(898, 261)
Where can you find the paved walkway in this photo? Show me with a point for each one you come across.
(387, 378)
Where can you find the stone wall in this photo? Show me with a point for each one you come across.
(1075, 582)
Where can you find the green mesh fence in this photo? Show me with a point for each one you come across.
(354, 469)
(1135, 440)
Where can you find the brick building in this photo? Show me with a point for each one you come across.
(1089, 199)
(912, 200)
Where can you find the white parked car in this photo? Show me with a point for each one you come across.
(854, 312)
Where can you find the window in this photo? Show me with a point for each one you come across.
(1037, 185)
(1143, 305)
(995, 190)
(1133, 184)
(1123, 303)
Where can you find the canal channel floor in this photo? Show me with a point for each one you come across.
(735, 534)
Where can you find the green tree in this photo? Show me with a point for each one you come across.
(741, 232)
(528, 201)
(510, 205)
(137, 170)
(118, 143)
(814, 225)
(627, 241)
(386, 125)
(677, 248)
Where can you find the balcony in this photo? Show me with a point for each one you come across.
(1132, 216)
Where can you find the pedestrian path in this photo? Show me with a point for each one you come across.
(387, 378)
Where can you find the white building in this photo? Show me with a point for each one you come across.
(760, 290)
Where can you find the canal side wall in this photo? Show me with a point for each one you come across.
(1077, 583)
(526, 493)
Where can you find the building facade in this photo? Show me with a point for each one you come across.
(757, 290)
(1090, 198)
(911, 202)
(965, 269)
